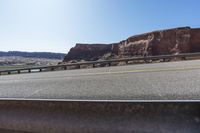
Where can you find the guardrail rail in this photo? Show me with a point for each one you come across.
(182, 56)
(98, 117)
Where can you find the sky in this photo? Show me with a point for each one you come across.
(57, 25)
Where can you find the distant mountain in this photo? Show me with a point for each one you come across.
(47, 55)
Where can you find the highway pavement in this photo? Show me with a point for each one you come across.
(159, 81)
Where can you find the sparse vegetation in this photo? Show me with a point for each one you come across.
(14, 62)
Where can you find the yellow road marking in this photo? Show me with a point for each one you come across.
(144, 70)
(165, 69)
(121, 72)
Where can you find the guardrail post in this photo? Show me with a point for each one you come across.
(40, 70)
(93, 65)
(79, 66)
(18, 71)
(52, 69)
(109, 64)
(164, 59)
(9, 72)
(65, 67)
(29, 70)
(183, 58)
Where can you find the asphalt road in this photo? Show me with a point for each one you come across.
(159, 81)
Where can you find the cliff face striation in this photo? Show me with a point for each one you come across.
(170, 41)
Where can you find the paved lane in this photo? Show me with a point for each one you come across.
(160, 81)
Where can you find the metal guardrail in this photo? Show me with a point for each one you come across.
(98, 117)
(109, 62)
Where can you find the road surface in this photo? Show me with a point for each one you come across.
(159, 81)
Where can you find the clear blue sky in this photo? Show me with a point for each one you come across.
(56, 25)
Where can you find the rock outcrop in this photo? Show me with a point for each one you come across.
(88, 51)
(170, 41)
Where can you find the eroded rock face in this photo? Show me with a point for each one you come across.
(157, 43)
(88, 52)
(195, 40)
(171, 41)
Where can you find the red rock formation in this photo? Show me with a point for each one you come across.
(195, 40)
(171, 41)
(88, 52)
(157, 43)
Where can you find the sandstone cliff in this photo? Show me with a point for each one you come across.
(170, 41)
